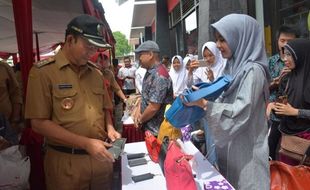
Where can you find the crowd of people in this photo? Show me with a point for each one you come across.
(76, 91)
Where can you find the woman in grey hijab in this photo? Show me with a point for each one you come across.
(237, 119)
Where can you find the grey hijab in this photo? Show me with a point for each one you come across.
(245, 39)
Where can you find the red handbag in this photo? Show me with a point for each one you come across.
(178, 172)
(152, 146)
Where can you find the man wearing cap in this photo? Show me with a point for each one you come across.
(157, 89)
(67, 102)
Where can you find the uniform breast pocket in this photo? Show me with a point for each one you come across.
(98, 96)
(64, 99)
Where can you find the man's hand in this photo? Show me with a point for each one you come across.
(97, 149)
(138, 123)
(112, 134)
(136, 119)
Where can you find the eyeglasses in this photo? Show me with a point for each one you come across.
(287, 54)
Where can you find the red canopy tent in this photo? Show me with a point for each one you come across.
(25, 23)
(43, 23)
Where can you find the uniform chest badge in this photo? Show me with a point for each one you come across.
(67, 103)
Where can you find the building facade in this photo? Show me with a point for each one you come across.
(183, 26)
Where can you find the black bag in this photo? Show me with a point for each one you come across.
(163, 152)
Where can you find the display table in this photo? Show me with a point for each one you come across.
(203, 170)
(130, 132)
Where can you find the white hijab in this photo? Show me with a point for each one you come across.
(188, 57)
(217, 68)
(220, 62)
(178, 77)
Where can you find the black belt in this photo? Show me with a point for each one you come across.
(68, 150)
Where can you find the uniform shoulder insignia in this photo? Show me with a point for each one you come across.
(44, 62)
(92, 64)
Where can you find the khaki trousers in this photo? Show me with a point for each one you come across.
(65, 171)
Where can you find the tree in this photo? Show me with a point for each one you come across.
(122, 47)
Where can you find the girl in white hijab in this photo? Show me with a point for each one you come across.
(214, 69)
(215, 65)
(178, 75)
(187, 62)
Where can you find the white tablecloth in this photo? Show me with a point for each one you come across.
(201, 167)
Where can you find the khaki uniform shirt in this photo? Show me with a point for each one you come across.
(112, 84)
(10, 92)
(71, 99)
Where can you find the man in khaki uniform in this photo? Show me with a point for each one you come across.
(67, 102)
(103, 63)
(10, 102)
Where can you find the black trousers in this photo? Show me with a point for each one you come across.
(273, 139)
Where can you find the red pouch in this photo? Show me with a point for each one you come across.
(152, 146)
(178, 172)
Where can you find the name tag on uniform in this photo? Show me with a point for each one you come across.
(64, 86)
